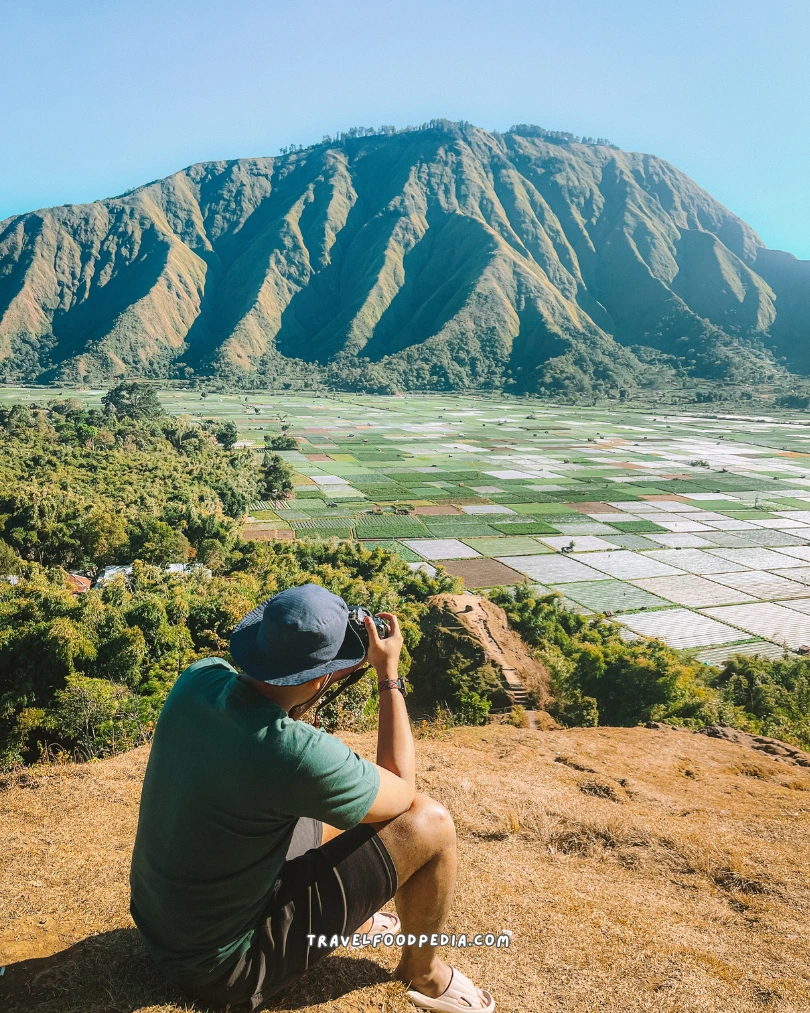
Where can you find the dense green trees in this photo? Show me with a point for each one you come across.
(281, 442)
(9, 560)
(136, 401)
(227, 434)
(598, 678)
(84, 488)
(89, 672)
(276, 480)
(159, 543)
(770, 697)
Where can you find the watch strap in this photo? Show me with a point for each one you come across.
(392, 684)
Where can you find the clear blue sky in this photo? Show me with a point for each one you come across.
(97, 96)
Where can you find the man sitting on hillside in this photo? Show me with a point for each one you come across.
(261, 836)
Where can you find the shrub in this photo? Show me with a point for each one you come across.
(99, 717)
(474, 709)
(355, 709)
(155, 541)
(598, 677)
(518, 717)
(453, 670)
(768, 697)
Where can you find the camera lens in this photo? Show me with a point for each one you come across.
(357, 618)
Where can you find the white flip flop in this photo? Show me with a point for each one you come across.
(383, 922)
(460, 996)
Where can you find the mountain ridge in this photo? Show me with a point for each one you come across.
(433, 258)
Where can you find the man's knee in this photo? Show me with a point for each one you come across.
(429, 819)
(419, 835)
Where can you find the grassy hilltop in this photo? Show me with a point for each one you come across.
(443, 257)
(638, 870)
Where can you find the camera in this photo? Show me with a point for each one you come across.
(357, 617)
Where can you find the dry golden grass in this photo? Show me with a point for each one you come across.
(639, 870)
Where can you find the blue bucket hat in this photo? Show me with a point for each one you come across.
(300, 634)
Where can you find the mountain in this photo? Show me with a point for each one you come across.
(439, 257)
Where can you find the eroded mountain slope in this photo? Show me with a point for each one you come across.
(443, 257)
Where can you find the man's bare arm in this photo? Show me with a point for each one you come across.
(396, 761)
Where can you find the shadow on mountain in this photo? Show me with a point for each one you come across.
(535, 342)
(133, 274)
(790, 280)
(318, 320)
(239, 264)
(440, 273)
(13, 279)
(717, 285)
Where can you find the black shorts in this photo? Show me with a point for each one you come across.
(327, 890)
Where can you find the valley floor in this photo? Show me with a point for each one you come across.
(693, 528)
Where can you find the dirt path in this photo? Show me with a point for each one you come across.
(487, 623)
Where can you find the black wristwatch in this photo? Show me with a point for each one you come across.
(392, 684)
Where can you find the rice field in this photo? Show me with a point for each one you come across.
(694, 528)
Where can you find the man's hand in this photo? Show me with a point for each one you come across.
(384, 654)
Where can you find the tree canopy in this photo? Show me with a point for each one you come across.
(133, 400)
(85, 488)
(276, 481)
(87, 674)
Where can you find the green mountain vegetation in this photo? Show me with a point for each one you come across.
(433, 258)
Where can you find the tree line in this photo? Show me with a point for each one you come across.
(85, 487)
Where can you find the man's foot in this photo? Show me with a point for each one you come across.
(459, 996)
(431, 983)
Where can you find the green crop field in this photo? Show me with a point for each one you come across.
(695, 528)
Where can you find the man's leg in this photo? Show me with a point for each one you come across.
(422, 846)
(329, 833)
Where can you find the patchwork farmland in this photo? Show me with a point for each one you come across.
(695, 529)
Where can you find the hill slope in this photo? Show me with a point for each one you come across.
(639, 870)
(440, 257)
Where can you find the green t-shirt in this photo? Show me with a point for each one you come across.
(227, 778)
